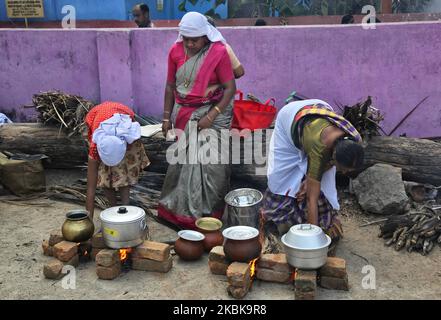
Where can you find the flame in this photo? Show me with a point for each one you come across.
(123, 254)
(253, 267)
(293, 276)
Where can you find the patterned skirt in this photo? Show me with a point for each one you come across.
(285, 211)
(125, 173)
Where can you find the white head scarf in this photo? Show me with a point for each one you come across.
(195, 24)
(112, 137)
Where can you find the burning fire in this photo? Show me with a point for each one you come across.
(123, 254)
(293, 276)
(253, 267)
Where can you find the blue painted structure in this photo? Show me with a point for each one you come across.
(118, 9)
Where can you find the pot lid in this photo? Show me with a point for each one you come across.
(240, 233)
(306, 237)
(191, 235)
(245, 197)
(208, 224)
(122, 214)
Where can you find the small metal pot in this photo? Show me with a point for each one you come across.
(306, 246)
(241, 243)
(243, 207)
(77, 227)
(123, 227)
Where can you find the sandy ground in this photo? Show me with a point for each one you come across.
(399, 275)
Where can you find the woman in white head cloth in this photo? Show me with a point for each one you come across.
(116, 153)
(200, 89)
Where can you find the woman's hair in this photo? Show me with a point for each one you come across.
(349, 153)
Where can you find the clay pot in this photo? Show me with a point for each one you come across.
(242, 243)
(210, 227)
(77, 227)
(190, 245)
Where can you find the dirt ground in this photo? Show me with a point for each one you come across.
(399, 275)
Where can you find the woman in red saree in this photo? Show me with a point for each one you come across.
(200, 89)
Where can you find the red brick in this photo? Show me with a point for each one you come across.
(156, 251)
(218, 267)
(301, 295)
(98, 241)
(107, 257)
(238, 274)
(55, 237)
(47, 249)
(334, 283)
(237, 292)
(334, 267)
(94, 252)
(75, 261)
(305, 280)
(152, 265)
(108, 273)
(52, 269)
(273, 276)
(217, 254)
(276, 262)
(65, 250)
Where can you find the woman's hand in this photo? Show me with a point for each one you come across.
(301, 194)
(204, 123)
(166, 126)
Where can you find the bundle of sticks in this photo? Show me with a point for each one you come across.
(416, 231)
(365, 118)
(65, 110)
(145, 194)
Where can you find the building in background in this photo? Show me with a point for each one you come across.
(121, 9)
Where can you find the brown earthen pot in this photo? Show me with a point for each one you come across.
(242, 243)
(189, 245)
(210, 227)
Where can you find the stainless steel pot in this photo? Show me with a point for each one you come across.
(306, 246)
(123, 227)
(243, 207)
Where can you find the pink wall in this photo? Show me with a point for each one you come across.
(397, 64)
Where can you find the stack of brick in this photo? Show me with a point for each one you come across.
(217, 262)
(152, 256)
(239, 279)
(64, 253)
(97, 245)
(333, 275)
(48, 245)
(274, 268)
(108, 264)
(305, 284)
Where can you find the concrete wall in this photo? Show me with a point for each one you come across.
(397, 64)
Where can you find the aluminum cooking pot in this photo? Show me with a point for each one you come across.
(123, 227)
(306, 246)
(243, 207)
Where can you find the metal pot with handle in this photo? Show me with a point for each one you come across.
(306, 246)
(123, 227)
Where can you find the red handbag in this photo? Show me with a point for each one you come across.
(252, 115)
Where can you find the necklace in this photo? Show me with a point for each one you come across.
(187, 81)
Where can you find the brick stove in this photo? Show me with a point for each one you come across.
(275, 268)
(110, 263)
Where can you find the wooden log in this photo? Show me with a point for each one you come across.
(34, 138)
(419, 158)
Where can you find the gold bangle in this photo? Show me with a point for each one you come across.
(209, 118)
(165, 120)
(167, 112)
(217, 109)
